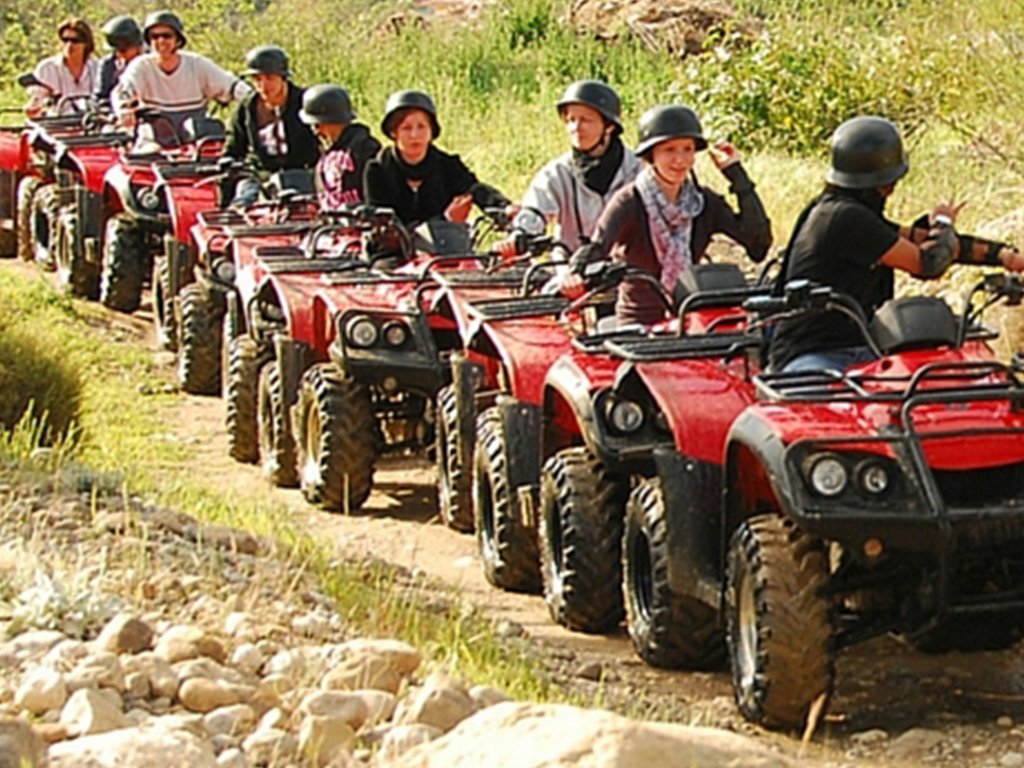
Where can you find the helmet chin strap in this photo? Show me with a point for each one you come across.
(601, 143)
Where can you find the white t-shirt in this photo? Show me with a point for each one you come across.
(186, 90)
(59, 82)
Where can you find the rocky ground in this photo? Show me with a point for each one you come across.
(137, 636)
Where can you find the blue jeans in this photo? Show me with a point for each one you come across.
(829, 359)
(247, 192)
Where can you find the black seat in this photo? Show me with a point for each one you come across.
(914, 322)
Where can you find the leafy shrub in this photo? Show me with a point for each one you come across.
(34, 376)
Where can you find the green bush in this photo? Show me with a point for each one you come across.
(35, 379)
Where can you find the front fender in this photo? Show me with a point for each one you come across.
(755, 476)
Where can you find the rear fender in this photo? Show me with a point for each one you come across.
(522, 430)
(692, 492)
(466, 378)
(293, 359)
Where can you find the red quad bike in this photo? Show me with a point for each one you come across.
(81, 162)
(287, 296)
(887, 498)
(28, 198)
(546, 409)
(391, 339)
(151, 200)
(467, 296)
(201, 306)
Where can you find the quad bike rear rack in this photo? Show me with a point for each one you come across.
(517, 307)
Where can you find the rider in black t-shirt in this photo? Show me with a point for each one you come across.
(843, 239)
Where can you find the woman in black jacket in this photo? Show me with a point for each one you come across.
(416, 179)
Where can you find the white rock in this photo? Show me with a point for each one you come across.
(233, 720)
(311, 625)
(440, 703)
(232, 758)
(247, 659)
(163, 680)
(321, 739)
(35, 644)
(403, 657)
(335, 704)
(101, 669)
(514, 735)
(486, 696)
(270, 746)
(88, 712)
(136, 684)
(179, 643)
(133, 748)
(380, 706)
(41, 689)
(273, 718)
(198, 694)
(1011, 760)
(363, 669)
(65, 655)
(401, 738)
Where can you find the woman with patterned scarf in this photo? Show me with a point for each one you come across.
(574, 188)
(664, 220)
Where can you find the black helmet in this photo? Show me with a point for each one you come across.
(326, 104)
(402, 100)
(660, 124)
(267, 60)
(165, 19)
(122, 32)
(867, 152)
(596, 95)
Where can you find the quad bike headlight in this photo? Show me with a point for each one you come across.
(828, 475)
(361, 332)
(395, 334)
(873, 478)
(625, 416)
(224, 271)
(149, 199)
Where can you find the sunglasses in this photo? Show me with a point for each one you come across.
(72, 40)
(162, 35)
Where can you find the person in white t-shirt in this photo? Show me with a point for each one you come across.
(62, 78)
(175, 83)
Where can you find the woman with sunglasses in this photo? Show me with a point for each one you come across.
(175, 83)
(63, 77)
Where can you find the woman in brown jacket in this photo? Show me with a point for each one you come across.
(663, 221)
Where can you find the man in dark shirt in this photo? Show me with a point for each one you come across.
(842, 239)
(124, 38)
(266, 130)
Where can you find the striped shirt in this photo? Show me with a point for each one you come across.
(184, 91)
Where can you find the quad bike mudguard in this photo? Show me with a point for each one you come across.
(691, 488)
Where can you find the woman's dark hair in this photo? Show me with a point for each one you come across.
(81, 28)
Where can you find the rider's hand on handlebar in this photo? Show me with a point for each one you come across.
(572, 285)
(458, 209)
(1012, 259)
(507, 248)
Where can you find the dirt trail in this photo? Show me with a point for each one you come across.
(940, 710)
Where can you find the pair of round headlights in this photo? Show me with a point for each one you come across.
(364, 332)
(829, 476)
